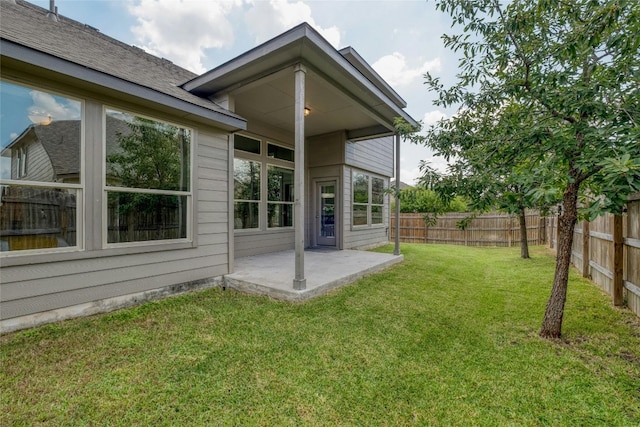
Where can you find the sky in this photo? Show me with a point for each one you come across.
(400, 39)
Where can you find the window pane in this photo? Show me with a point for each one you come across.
(277, 152)
(280, 182)
(280, 215)
(244, 143)
(377, 191)
(137, 217)
(359, 214)
(360, 188)
(39, 135)
(246, 179)
(144, 153)
(245, 215)
(37, 218)
(376, 214)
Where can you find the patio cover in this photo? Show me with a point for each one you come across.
(299, 70)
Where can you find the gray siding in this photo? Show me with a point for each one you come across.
(41, 283)
(256, 243)
(375, 155)
(38, 164)
(325, 150)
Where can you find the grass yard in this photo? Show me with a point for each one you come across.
(448, 338)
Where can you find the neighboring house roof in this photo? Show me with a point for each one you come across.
(402, 184)
(61, 141)
(72, 48)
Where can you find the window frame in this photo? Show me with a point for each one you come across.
(378, 205)
(105, 189)
(79, 189)
(265, 161)
(291, 203)
(257, 202)
(369, 204)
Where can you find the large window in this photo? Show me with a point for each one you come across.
(263, 184)
(148, 179)
(368, 199)
(41, 179)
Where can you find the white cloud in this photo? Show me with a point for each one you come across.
(395, 70)
(44, 105)
(432, 117)
(267, 19)
(182, 30)
(409, 175)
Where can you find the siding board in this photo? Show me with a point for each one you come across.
(35, 288)
(68, 299)
(68, 282)
(375, 155)
(255, 244)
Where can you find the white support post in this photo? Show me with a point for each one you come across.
(299, 282)
(396, 249)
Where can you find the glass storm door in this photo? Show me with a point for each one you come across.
(325, 217)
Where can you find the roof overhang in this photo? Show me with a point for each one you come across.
(343, 92)
(24, 59)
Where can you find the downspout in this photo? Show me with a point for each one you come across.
(396, 250)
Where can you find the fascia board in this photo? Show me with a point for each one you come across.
(283, 49)
(361, 65)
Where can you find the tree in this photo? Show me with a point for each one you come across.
(423, 200)
(552, 88)
(154, 156)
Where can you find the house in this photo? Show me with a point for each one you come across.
(124, 174)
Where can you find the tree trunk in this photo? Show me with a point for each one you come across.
(524, 241)
(552, 323)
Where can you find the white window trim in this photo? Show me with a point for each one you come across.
(106, 188)
(278, 202)
(251, 157)
(265, 161)
(369, 204)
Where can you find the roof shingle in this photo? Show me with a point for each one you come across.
(28, 25)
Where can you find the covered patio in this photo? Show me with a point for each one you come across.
(333, 116)
(326, 269)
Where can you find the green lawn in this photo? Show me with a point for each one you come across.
(447, 338)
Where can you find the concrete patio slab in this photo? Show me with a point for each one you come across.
(325, 269)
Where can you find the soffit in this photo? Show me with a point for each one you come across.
(340, 97)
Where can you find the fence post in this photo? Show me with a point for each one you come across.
(618, 249)
(586, 251)
(426, 232)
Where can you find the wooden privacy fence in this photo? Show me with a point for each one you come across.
(491, 229)
(607, 251)
(36, 218)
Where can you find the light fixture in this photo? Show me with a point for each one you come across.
(40, 119)
(306, 111)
